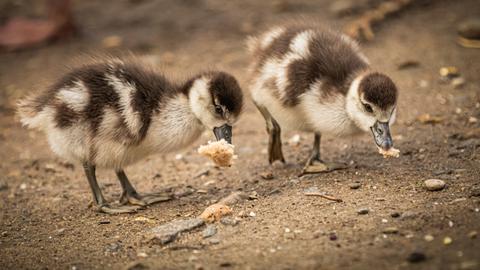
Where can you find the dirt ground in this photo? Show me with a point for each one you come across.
(46, 217)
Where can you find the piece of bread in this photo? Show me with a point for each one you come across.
(214, 212)
(220, 152)
(392, 152)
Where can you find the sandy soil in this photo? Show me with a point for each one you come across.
(46, 218)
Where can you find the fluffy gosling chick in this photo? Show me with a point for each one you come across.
(115, 113)
(314, 80)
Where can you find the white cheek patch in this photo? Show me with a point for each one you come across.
(361, 118)
(201, 103)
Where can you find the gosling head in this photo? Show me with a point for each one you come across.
(216, 100)
(372, 105)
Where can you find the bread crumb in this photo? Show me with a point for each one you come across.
(220, 152)
(214, 212)
(392, 152)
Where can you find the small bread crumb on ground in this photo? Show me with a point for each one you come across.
(392, 152)
(220, 152)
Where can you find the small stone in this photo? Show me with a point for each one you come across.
(363, 211)
(229, 221)
(214, 241)
(472, 120)
(333, 236)
(449, 72)
(434, 184)
(470, 28)
(390, 230)
(407, 64)
(4, 233)
(416, 257)
(447, 241)
(395, 214)
(428, 238)
(209, 231)
(355, 185)
(142, 255)
(252, 214)
(408, 215)
(112, 247)
(234, 198)
(472, 234)
(458, 82)
(23, 186)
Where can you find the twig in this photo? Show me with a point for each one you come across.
(319, 194)
(362, 27)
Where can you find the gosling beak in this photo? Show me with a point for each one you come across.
(223, 132)
(381, 134)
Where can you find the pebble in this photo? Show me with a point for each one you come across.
(363, 211)
(470, 28)
(355, 185)
(458, 82)
(434, 184)
(234, 198)
(408, 215)
(390, 230)
(252, 214)
(447, 240)
(472, 234)
(333, 236)
(229, 221)
(209, 231)
(428, 238)
(416, 257)
(395, 214)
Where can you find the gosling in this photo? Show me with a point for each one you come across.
(317, 80)
(113, 113)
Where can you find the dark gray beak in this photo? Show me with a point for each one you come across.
(223, 132)
(381, 134)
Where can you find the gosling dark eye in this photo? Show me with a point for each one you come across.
(368, 108)
(218, 110)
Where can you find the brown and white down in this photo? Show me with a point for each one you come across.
(114, 113)
(317, 80)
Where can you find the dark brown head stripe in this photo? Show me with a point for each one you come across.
(225, 88)
(378, 89)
